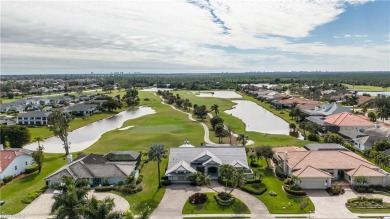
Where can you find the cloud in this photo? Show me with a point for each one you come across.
(173, 36)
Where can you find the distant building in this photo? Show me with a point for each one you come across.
(33, 118)
(82, 109)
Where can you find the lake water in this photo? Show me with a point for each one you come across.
(374, 94)
(258, 119)
(219, 94)
(84, 137)
(155, 89)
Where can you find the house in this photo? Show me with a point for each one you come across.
(11, 107)
(187, 159)
(82, 109)
(302, 103)
(364, 139)
(13, 161)
(7, 120)
(32, 118)
(326, 110)
(317, 169)
(111, 168)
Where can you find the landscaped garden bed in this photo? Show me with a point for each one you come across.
(211, 206)
(367, 204)
(255, 188)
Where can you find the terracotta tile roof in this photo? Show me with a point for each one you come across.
(364, 99)
(288, 149)
(8, 155)
(363, 170)
(348, 119)
(310, 171)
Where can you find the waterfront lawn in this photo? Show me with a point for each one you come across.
(150, 195)
(13, 192)
(282, 203)
(211, 206)
(167, 127)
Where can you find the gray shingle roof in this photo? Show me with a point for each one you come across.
(122, 156)
(34, 114)
(82, 107)
(325, 146)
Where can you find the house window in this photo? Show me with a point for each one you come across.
(350, 178)
(16, 167)
(26, 163)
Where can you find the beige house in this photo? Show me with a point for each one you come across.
(318, 168)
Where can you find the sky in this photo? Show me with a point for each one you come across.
(179, 36)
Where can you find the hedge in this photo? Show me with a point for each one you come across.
(166, 182)
(104, 188)
(1, 183)
(251, 181)
(369, 199)
(8, 179)
(294, 192)
(139, 179)
(32, 168)
(32, 196)
(255, 188)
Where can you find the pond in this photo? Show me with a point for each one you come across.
(258, 119)
(155, 89)
(84, 137)
(219, 94)
(374, 93)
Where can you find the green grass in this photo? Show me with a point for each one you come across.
(212, 207)
(150, 194)
(365, 88)
(282, 203)
(16, 190)
(369, 211)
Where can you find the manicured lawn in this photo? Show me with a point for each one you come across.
(369, 211)
(212, 207)
(15, 191)
(150, 194)
(365, 88)
(282, 203)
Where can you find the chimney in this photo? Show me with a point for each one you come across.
(1, 147)
(69, 158)
(285, 162)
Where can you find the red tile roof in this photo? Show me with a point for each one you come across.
(6, 158)
(348, 119)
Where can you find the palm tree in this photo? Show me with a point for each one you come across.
(215, 109)
(38, 155)
(157, 152)
(95, 209)
(39, 139)
(74, 195)
(229, 133)
(243, 139)
(383, 113)
(238, 179)
(201, 179)
(225, 172)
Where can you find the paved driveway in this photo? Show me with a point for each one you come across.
(334, 206)
(176, 195)
(40, 207)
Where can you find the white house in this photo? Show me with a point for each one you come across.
(13, 161)
(32, 118)
(82, 109)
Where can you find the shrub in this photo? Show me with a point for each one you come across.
(32, 168)
(8, 179)
(255, 188)
(288, 181)
(2, 183)
(104, 188)
(294, 192)
(198, 198)
(164, 178)
(251, 181)
(224, 199)
(279, 172)
(32, 196)
(335, 190)
(139, 179)
(120, 183)
(166, 182)
(313, 137)
(272, 193)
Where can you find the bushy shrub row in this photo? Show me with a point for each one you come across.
(104, 188)
(371, 189)
(128, 189)
(32, 168)
(33, 195)
(367, 202)
(279, 172)
(369, 199)
(139, 179)
(197, 198)
(294, 192)
(2, 183)
(255, 188)
(8, 179)
(251, 181)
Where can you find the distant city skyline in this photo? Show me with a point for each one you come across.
(194, 36)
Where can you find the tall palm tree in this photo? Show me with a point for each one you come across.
(157, 152)
(242, 138)
(229, 133)
(96, 209)
(225, 172)
(215, 109)
(238, 179)
(39, 139)
(74, 195)
(201, 180)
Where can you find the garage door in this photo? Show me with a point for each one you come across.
(312, 184)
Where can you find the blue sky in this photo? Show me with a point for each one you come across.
(194, 36)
